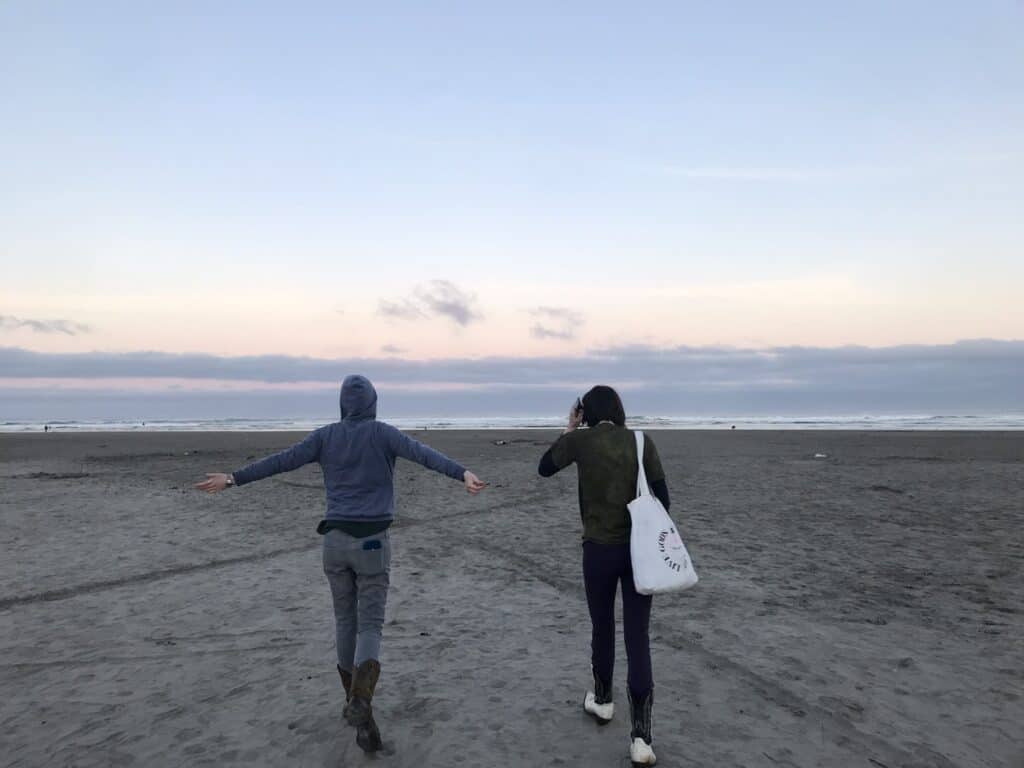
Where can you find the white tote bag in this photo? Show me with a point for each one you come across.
(660, 560)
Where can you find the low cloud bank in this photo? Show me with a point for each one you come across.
(980, 376)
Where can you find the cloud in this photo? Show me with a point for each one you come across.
(69, 327)
(539, 331)
(391, 349)
(399, 310)
(555, 323)
(439, 298)
(969, 376)
(448, 300)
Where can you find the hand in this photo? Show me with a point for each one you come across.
(214, 482)
(575, 418)
(473, 483)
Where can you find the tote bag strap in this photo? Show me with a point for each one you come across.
(641, 475)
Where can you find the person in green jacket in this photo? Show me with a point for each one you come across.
(605, 454)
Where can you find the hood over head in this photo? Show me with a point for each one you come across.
(358, 399)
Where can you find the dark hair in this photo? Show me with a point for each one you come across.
(603, 404)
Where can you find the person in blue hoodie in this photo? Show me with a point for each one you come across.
(357, 455)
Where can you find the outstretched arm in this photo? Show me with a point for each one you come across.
(284, 461)
(413, 450)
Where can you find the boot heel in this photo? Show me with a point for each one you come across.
(602, 713)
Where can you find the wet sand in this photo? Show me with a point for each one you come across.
(863, 609)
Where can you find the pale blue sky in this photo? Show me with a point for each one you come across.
(258, 178)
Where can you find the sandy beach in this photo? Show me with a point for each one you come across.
(862, 609)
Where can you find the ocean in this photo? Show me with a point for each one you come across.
(863, 422)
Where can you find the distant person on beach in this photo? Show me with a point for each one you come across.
(357, 455)
(605, 456)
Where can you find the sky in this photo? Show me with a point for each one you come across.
(544, 191)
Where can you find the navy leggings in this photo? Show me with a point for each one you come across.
(604, 566)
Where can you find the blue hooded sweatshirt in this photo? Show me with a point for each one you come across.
(357, 455)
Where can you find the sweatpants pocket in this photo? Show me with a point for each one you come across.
(373, 556)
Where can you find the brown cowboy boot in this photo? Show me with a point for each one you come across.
(346, 683)
(360, 708)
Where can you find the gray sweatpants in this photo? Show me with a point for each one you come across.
(358, 572)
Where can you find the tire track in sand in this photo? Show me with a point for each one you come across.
(92, 587)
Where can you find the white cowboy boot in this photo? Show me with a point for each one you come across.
(640, 751)
(598, 703)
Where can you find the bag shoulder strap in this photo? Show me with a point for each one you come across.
(641, 475)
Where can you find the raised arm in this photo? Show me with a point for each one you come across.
(413, 450)
(284, 461)
(547, 466)
(558, 456)
(563, 452)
